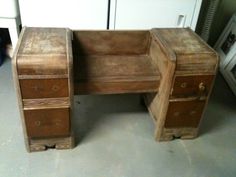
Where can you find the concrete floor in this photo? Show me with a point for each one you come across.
(115, 139)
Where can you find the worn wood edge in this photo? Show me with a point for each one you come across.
(52, 143)
(209, 94)
(120, 79)
(161, 120)
(163, 44)
(114, 92)
(46, 103)
(41, 55)
(62, 76)
(110, 87)
(217, 56)
(202, 41)
(149, 43)
(162, 98)
(17, 88)
(190, 98)
(194, 72)
(113, 31)
(69, 52)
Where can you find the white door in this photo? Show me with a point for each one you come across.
(74, 14)
(146, 14)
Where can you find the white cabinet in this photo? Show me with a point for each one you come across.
(74, 14)
(146, 14)
(123, 14)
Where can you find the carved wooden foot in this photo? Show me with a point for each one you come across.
(174, 133)
(51, 143)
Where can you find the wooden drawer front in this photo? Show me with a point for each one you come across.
(44, 88)
(184, 114)
(192, 85)
(42, 123)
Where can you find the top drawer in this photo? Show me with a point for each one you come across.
(198, 85)
(44, 88)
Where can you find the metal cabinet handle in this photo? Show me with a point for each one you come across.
(202, 87)
(181, 21)
(202, 91)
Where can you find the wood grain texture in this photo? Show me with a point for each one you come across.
(115, 74)
(44, 123)
(42, 51)
(174, 69)
(69, 52)
(184, 114)
(191, 85)
(116, 68)
(49, 143)
(43, 73)
(193, 55)
(111, 42)
(17, 88)
(43, 103)
(44, 88)
(158, 103)
(107, 62)
(196, 66)
(84, 88)
(182, 133)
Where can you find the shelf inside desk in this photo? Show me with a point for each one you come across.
(111, 74)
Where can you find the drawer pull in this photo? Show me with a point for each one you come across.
(193, 112)
(202, 91)
(176, 114)
(55, 88)
(37, 123)
(201, 87)
(58, 122)
(183, 85)
(37, 88)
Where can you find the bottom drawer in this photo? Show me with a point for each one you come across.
(43, 123)
(184, 114)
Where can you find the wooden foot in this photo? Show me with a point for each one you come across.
(176, 133)
(51, 143)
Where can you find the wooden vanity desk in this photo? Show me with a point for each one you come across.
(173, 69)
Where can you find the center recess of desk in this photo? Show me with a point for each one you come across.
(121, 64)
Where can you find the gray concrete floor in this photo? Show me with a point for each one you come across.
(115, 139)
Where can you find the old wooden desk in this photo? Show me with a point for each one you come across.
(173, 69)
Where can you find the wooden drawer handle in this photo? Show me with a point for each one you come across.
(37, 123)
(183, 85)
(37, 88)
(58, 123)
(201, 87)
(55, 88)
(202, 91)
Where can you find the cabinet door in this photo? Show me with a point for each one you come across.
(146, 14)
(74, 14)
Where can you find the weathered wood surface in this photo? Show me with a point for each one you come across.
(109, 62)
(178, 112)
(115, 74)
(174, 69)
(42, 68)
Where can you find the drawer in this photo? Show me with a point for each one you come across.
(43, 123)
(198, 85)
(44, 88)
(184, 114)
